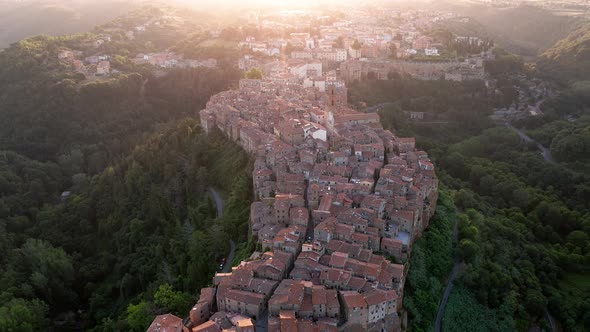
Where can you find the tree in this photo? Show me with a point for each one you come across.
(170, 300)
(230, 33)
(254, 74)
(356, 45)
(339, 43)
(468, 250)
(139, 316)
(392, 51)
(22, 315)
(455, 164)
(535, 302)
(51, 271)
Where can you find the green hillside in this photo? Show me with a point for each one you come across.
(108, 254)
(22, 19)
(569, 59)
(523, 30)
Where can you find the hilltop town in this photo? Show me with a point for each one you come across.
(262, 166)
(339, 202)
(363, 48)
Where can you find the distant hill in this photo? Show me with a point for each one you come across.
(569, 58)
(524, 30)
(22, 19)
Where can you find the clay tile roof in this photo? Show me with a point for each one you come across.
(307, 304)
(318, 295)
(353, 299)
(208, 326)
(332, 298)
(375, 297)
(398, 270)
(245, 297)
(307, 325)
(338, 259)
(356, 283)
(288, 321)
(166, 323)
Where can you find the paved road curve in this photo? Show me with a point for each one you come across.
(262, 321)
(378, 107)
(449, 288)
(544, 151)
(232, 251)
(218, 201)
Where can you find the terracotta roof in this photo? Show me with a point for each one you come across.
(338, 259)
(208, 326)
(245, 297)
(166, 323)
(335, 275)
(356, 283)
(353, 299)
(307, 304)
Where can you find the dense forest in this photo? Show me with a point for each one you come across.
(523, 222)
(141, 230)
(135, 232)
(431, 261)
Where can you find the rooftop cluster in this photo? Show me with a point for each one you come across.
(339, 201)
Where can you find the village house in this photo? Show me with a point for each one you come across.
(201, 311)
(103, 68)
(355, 308)
(167, 323)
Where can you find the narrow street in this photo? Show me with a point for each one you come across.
(262, 322)
(232, 251)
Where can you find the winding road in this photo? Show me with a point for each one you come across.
(456, 268)
(232, 251)
(544, 151)
(376, 108)
(262, 321)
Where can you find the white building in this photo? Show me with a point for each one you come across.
(432, 51)
(313, 69)
(316, 82)
(354, 54)
(307, 54)
(316, 131)
(337, 55)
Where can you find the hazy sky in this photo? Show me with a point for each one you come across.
(291, 3)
